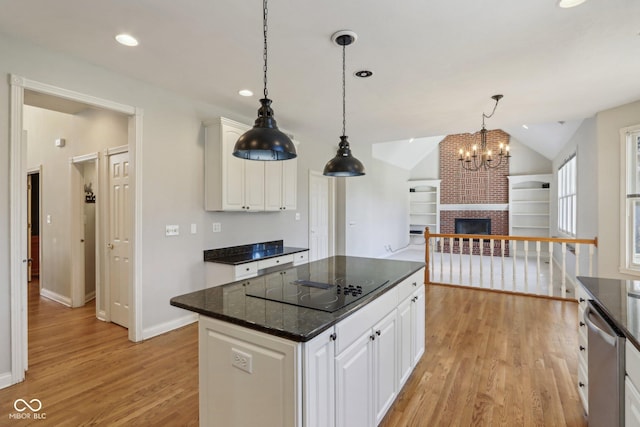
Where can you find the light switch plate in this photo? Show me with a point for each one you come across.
(194, 228)
(172, 230)
(217, 227)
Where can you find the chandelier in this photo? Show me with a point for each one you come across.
(479, 156)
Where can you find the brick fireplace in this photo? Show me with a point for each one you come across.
(467, 194)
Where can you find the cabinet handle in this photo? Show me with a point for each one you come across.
(581, 384)
(247, 269)
(582, 323)
(415, 283)
(277, 261)
(581, 299)
(372, 337)
(332, 337)
(582, 348)
(378, 332)
(284, 207)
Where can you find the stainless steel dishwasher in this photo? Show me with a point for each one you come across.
(606, 369)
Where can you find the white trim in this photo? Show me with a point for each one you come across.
(5, 379)
(476, 207)
(85, 158)
(625, 238)
(54, 296)
(88, 297)
(162, 328)
(18, 206)
(117, 150)
(101, 314)
(17, 234)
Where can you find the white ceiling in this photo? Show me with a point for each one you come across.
(436, 63)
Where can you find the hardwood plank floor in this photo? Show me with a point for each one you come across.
(492, 359)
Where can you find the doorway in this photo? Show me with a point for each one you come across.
(18, 247)
(321, 216)
(33, 223)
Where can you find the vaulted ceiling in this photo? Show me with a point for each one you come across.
(436, 63)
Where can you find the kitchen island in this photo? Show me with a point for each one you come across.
(326, 343)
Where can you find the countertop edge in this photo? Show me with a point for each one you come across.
(286, 251)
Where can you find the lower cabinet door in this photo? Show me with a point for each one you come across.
(418, 317)
(319, 380)
(354, 384)
(631, 404)
(385, 358)
(405, 333)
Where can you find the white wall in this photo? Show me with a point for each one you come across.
(525, 161)
(609, 169)
(584, 144)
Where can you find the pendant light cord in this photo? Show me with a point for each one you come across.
(264, 53)
(344, 102)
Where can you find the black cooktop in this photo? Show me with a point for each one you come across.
(317, 291)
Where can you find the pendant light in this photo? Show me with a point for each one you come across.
(344, 164)
(265, 141)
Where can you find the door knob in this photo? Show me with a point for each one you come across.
(110, 245)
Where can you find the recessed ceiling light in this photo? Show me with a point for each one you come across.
(565, 4)
(364, 73)
(525, 126)
(245, 92)
(411, 140)
(127, 40)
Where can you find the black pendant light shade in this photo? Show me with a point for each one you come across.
(343, 164)
(265, 141)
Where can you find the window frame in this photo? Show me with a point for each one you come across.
(567, 179)
(629, 199)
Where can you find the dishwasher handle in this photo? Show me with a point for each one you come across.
(609, 338)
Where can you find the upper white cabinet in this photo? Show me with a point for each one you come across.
(234, 184)
(281, 185)
(529, 205)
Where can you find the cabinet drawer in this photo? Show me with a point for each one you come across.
(410, 284)
(272, 262)
(243, 271)
(581, 296)
(301, 258)
(632, 363)
(354, 326)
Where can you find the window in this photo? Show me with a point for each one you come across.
(567, 197)
(631, 228)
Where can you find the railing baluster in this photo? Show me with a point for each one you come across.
(577, 253)
(550, 290)
(470, 262)
(513, 259)
(563, 287)
(538, 289)
(451, 259)
(526, 266)
(441, 256)
(481, 249)
(460, 258)
(502, 245)
(491, 255)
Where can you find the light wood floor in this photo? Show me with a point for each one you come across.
(492, 360)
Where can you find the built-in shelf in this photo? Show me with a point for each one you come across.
(529, 203)
(424, 206)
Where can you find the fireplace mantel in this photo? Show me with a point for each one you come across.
(476, 207)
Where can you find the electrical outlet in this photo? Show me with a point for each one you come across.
(297, 216)
(242, 360)
(172, 230)
(217, 227)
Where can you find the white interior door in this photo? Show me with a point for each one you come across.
(320, 224)
(29, 229)
(119, 248)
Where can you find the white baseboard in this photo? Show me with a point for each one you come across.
(6, 380)
(102, 315)
(89, 297)
(169, 326)
(55, 297)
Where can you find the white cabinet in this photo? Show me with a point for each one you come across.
(234, 184)
(411, 327)
(354, 384)
(281, 185)
(529, 205)
(384, 341)
(424, 206)
(319, 380)
(217, 274)
(583, 353)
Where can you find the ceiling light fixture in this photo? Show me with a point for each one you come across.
(245, 92)
(525, 126)
(565, 4)
(127, 40)
(344, 164)
(363, 73)
(476, 158)
(265, 141)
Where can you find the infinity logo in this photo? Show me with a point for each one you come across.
(21, 405)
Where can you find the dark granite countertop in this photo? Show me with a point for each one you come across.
(230, 303)
(620, 301)
(236, 255)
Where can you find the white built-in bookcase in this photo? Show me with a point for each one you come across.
(529, 205)
(424, 206)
